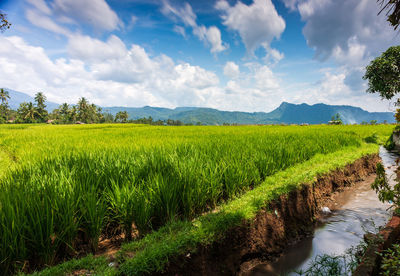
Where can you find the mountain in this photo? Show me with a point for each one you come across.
(322, 113)
(18, 97)
(286, 113)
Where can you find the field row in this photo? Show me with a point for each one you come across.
(69, 186)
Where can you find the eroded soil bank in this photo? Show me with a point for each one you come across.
(286, 221)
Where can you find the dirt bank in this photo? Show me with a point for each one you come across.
(287, 220)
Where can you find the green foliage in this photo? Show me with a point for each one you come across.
(386, 193)
(391, 261)
(4, 23)
(372, 139)
(392, 8)
(389, 144)
(327, 265)
(63, 185)
(383, 73)
(41, 111)
(121, 117)
(88, 265)
(4, 109)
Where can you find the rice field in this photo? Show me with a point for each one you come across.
(66, 187)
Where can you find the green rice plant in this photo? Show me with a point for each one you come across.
(67, 184)
(92, 212)
(128, 206)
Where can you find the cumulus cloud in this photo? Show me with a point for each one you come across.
(210, 35)
(348, 32)
(109, 74)
(336, 27)
(120, 77)
(273, 56)
(231, 70)
(89, 49)
(258, 24)
(333, 89)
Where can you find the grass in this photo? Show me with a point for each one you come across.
(67, 185)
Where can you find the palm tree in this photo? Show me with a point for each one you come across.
(4, 96)
(31, 113)
(83, 110)
(392, 8)
(40, 100)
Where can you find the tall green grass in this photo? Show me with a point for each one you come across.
(68, 186)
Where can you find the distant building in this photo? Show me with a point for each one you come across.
(335, 122)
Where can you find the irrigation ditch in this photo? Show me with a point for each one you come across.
(253, 246)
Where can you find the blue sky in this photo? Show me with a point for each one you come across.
(232, 55)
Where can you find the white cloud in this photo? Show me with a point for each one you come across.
(90, 50)
(185, 14)
(273, 56)
(180, 30)
(45, 22)
(94, 12)
(333, 89)
(258, 23)
(111, 74)
(291, 4)
(213, 36)
(41, 6)
(350, 33)
(231, 70)
(120, 77)
(132, 22)
(334, 27)
(52, 17)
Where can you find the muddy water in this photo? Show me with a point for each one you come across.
(356, 211)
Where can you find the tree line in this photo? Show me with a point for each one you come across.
(82, 112)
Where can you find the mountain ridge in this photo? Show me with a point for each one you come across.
(287, 113)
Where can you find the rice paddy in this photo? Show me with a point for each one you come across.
(66, 187)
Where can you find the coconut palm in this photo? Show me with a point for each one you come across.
(4, 96)
(83, 110)
(392, 8)
(31, 113)
(40, 100)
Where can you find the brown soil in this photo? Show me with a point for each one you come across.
(286, 221)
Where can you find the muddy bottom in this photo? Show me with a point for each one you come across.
(353, 212)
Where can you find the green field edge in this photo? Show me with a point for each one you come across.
(154, 251)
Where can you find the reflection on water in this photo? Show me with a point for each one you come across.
(359, 210)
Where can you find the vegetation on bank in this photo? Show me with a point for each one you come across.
(69, 185)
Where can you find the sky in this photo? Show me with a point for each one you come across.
(247, 55)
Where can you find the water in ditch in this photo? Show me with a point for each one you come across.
(357, 210)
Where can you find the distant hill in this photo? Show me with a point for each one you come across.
(18, 97)
(286, 113)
